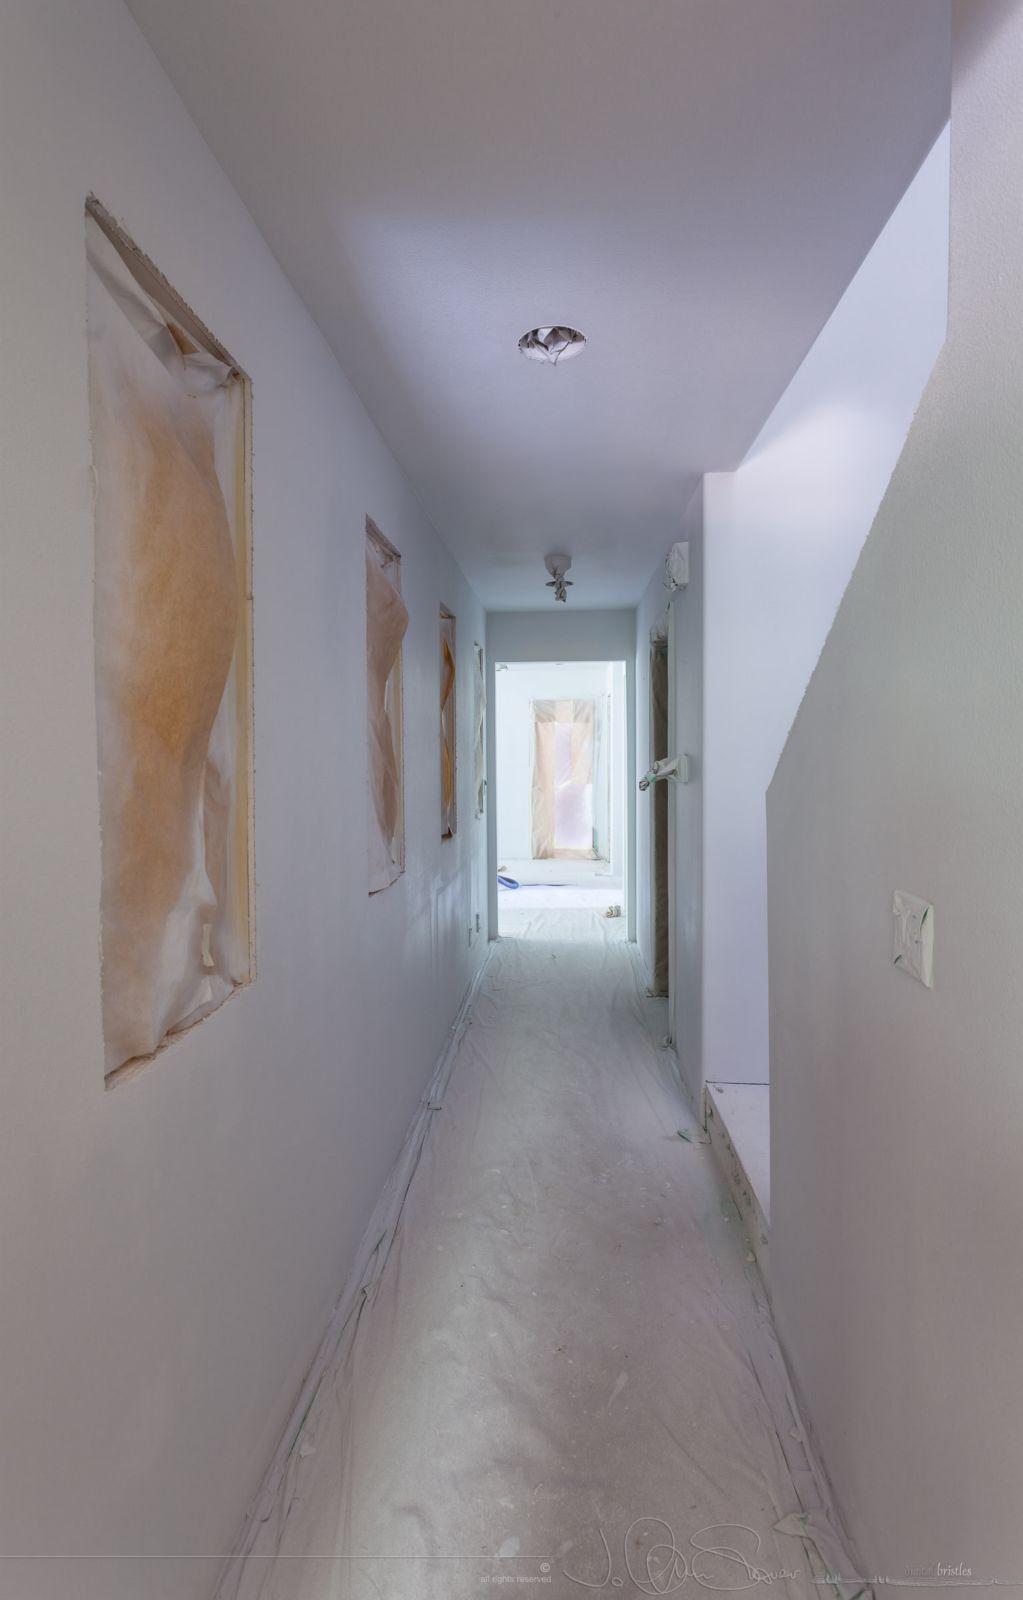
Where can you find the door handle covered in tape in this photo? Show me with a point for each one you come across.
(676, 767)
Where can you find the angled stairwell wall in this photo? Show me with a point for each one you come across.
(897, 1112)
(783, 534)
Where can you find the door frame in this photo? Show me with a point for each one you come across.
(664, 626)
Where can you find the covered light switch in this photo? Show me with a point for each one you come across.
(913, 938)
(677, 566)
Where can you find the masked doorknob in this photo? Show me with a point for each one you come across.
(676, 767)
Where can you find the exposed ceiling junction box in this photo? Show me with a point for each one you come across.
(552, 344)
(557, 566)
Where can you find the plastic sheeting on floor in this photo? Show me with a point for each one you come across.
(559, 1369)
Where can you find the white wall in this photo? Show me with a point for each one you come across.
(171, 1247)
(515, 690)
(687, 705)
(897, 1113)
(560, 634)
(782, 537)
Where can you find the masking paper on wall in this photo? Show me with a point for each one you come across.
(168, 420)
(562, 787)
(448, 748)
(386, 623)
(479, 720)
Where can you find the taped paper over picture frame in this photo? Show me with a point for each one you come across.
(169, 420)
(386, 625)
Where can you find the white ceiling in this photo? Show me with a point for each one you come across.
(692, 183)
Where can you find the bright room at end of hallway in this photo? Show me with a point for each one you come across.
(560, 791)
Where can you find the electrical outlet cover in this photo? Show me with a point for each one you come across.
(913, 937)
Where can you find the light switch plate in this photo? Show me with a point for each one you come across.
(913, 937)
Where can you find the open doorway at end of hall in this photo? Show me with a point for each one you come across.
(560, 754)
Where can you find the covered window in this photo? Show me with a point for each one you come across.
(168, 412)
(386, 622)
(563, 778)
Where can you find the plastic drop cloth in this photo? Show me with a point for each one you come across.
(554, 1366)
(167, 423)
(562, 779)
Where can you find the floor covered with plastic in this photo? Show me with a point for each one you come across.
(559, 1371)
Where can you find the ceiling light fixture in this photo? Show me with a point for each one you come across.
(551, 344)
(557, 566)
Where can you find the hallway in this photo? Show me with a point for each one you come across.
(566, 1353)
(419, 422)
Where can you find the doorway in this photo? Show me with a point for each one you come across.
(560, 731)
(661, 798)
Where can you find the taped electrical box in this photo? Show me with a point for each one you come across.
(677, 567)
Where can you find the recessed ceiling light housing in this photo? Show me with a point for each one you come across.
(551, 344)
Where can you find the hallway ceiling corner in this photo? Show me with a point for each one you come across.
(692, 184)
